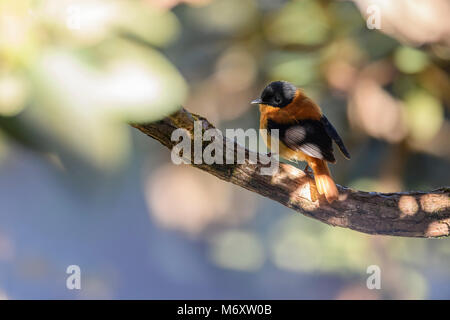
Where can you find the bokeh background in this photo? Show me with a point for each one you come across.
(79, 186)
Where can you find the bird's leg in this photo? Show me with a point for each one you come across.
(308, 170)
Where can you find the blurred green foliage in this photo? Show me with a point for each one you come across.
(72, 73)
(75, 72)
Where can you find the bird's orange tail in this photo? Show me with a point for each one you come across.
(324, 182)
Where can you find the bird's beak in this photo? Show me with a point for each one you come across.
(256, 101)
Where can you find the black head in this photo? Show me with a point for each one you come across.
(277, 94)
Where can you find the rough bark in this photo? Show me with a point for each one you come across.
(408, 214)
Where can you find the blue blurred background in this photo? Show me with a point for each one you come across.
(79, 186)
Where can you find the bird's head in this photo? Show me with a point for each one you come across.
(277, 94)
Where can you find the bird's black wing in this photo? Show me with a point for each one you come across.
(332, 133)
(308, 136)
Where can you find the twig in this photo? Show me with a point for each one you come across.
(408, 214)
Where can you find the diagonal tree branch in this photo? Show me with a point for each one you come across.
(408, 214)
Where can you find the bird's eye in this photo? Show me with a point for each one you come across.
(277, 99)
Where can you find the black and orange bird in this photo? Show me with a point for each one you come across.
(305, 133)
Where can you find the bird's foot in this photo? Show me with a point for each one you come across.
(308, 171)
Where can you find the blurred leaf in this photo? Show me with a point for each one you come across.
(376, 44)
(158, 27)
(409, 60)
(89, 21)
(404, 84)
(19, 39)
(13, 94)
(237, 250)
(300, 69)
(87, 106)
(425, 115)
(68, 62)
(224, 16)
(415, 285)
(347, 20)
(299, 244)
(301, 22)
(15, 129)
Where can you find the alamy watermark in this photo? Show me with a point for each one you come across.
(374, 280)
(231, 152)
(73, 281)
(373, 20)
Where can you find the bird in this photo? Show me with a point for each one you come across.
(305, 133)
